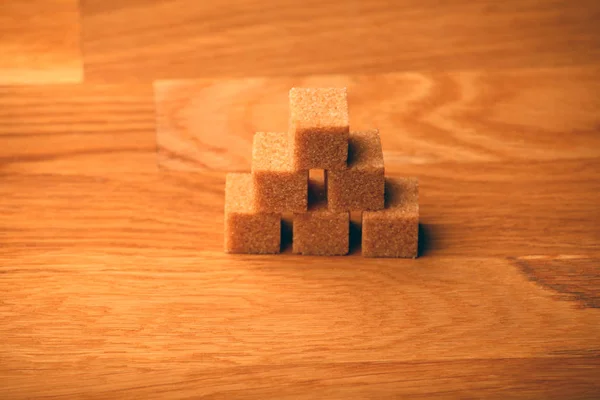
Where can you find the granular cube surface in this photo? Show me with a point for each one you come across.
(361, 186)
(248, 231)
(320, 231)
(319, 175)
(278, 187)
(394, 231)
(319, 127)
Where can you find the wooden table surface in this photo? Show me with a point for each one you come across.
(119, 119)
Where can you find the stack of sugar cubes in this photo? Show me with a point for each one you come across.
(319, 138)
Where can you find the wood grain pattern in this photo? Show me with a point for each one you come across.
(423, 117)
(204, 320)
(532, 378)
(77, 128)
(469, 210)
(574, 277)
(40, 42)
(227, 314)
(112, 275)
(241, 38)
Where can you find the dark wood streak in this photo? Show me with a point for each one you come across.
(575, 279)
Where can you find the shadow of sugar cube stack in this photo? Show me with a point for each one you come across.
(319, 138)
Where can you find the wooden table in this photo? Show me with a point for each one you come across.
(113, 283)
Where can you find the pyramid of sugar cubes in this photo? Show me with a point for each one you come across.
(319, 138)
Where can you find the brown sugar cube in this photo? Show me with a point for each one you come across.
(319, 231)
(361, 186)
(319, 127)
(248, 231)
(278, 187)
(394, 231)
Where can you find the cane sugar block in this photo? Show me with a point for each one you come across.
(319, 127)
(248, 231)
(393, 231)
(361, 186)
(319, 231)
(278, 186)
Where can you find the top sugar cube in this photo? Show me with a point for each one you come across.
(319, 125)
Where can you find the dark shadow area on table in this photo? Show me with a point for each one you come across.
(355, 238)
(286, 234)
(426, 242)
